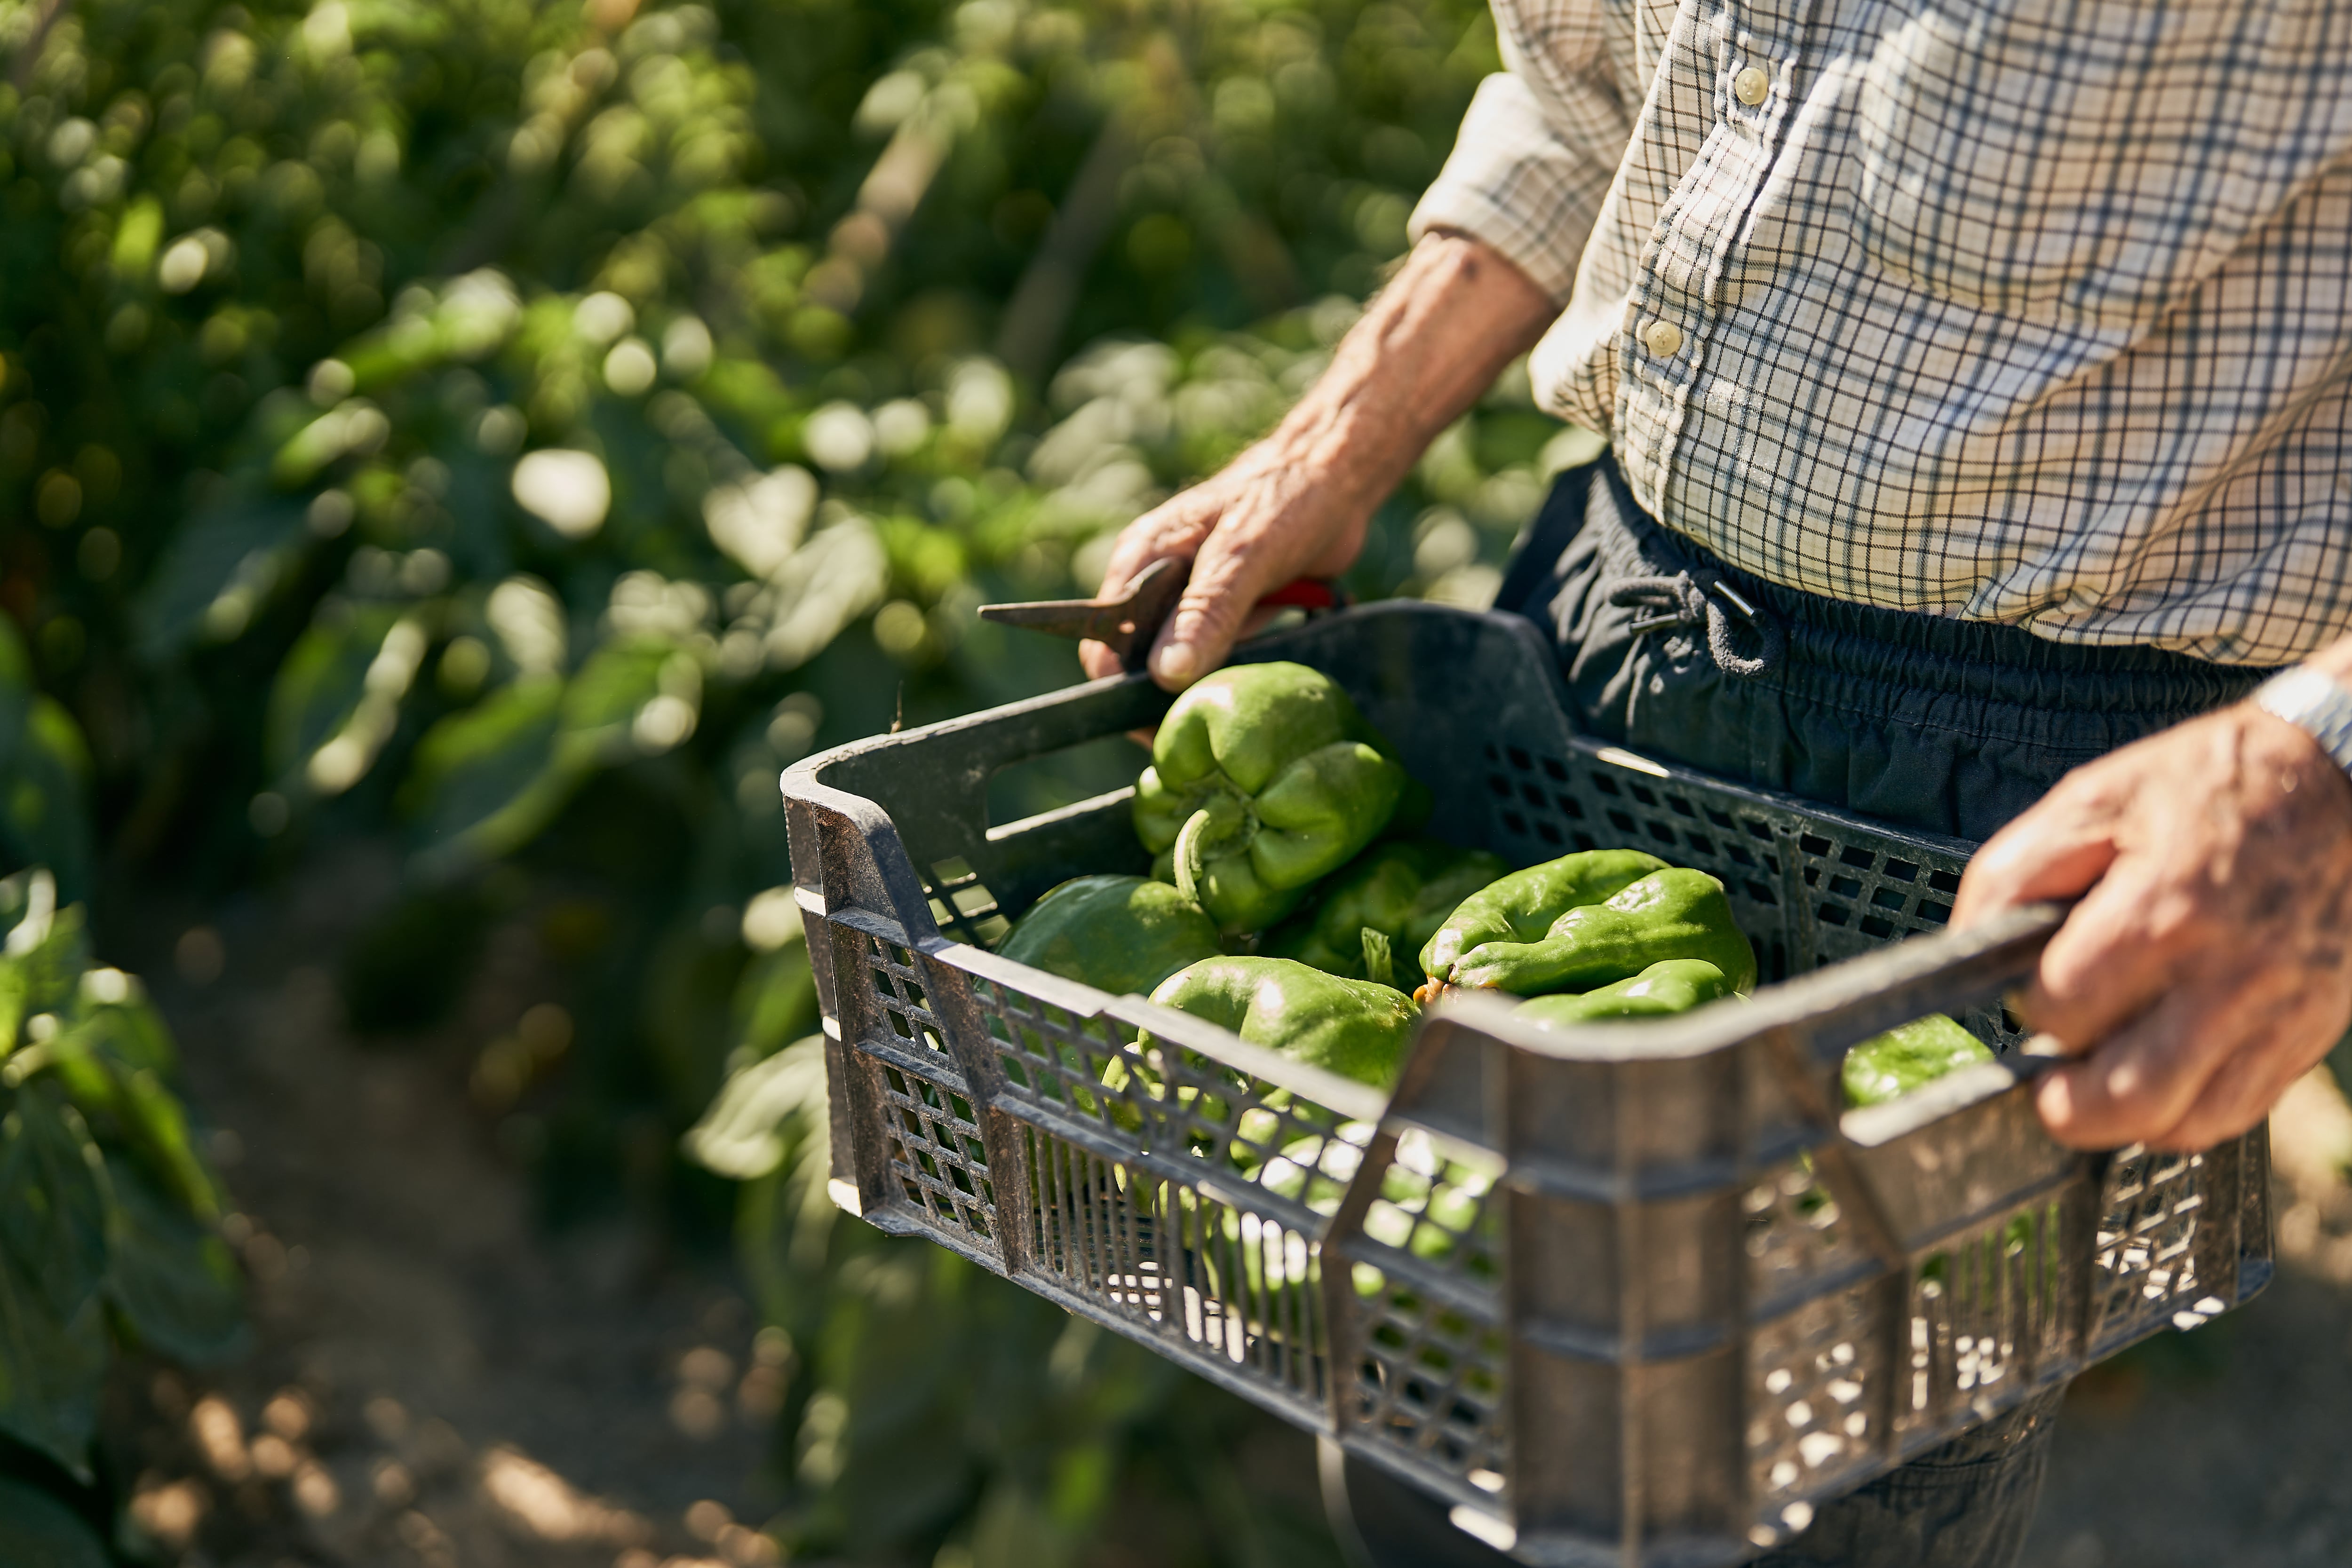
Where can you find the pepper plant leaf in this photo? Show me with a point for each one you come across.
(37, 1530)
(486, 778)
(53, 1222)
(171, 1279)
(50, 1368)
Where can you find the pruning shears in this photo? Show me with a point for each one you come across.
(1129, 623)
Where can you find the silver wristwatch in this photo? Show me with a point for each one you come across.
(2314, 703)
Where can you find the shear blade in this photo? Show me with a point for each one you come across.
(1123, 624)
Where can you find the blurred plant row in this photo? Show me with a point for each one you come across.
(523, 430)
(109, 1216)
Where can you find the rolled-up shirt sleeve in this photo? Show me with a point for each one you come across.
(1533, 161)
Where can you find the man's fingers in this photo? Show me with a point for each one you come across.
(1236, 565)
(2125, 945)
(2103, 967)
(1173, 530)
(2055, 851)
(2286, 1030)
(2199, 1069)
(2143, 1079)
(1097, 660)
(2234, 1100)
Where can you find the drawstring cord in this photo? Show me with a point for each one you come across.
(1689, 601)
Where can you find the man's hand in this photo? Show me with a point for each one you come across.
(1289, 506)
(1296, 504)
(2209, 962)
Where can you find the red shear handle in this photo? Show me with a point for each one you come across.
(1306, 593)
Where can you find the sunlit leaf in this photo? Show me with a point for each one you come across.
(613, 686)
(838, 575)
(775, 1001)
(14, 986)
(216, 574)
(322, 680)
(113, 1007)
(742, 1134)
(47, 947)
(353, 427)
(487, 779)
(159, 1125)
(125, 1102)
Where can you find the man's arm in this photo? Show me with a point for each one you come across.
(1298, 503)
(2209, 963)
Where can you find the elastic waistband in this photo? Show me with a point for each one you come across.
(1829, 640)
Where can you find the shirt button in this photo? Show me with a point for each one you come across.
(1663, 339)
(1751, 85)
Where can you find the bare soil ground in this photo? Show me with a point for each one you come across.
(438, 1380)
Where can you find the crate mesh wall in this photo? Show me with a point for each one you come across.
(931, 1129)
(2146, 1240)
(1425, 1281)
(1206, 1240)
(1815, 1382)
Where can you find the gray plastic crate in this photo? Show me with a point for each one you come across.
(1630, 1294)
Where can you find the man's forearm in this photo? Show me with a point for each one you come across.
(1297, 502)
(1428, 345)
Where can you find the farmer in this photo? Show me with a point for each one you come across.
(1978, 381)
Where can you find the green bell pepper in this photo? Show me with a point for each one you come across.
(1668, 986)
(1672, 913)
(1907, 1056)
(1352, 1028)
(1117, 934)
(1401, 890)
(1263, 778)
(1521, 907)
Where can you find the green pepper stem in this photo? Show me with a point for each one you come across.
(1379, 967)
(1189, 855)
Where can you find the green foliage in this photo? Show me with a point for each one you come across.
(108, 1234)
(525, 430)
(495, 502)
(44, 775)
(106, 1223)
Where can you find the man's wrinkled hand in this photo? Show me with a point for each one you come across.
(2209, 963)
(1279, 512)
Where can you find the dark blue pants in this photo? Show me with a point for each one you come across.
(1945, 726)
(1953, 726)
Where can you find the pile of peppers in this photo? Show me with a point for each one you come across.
(1290, 902)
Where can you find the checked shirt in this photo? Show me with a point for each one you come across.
(2038, 313)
